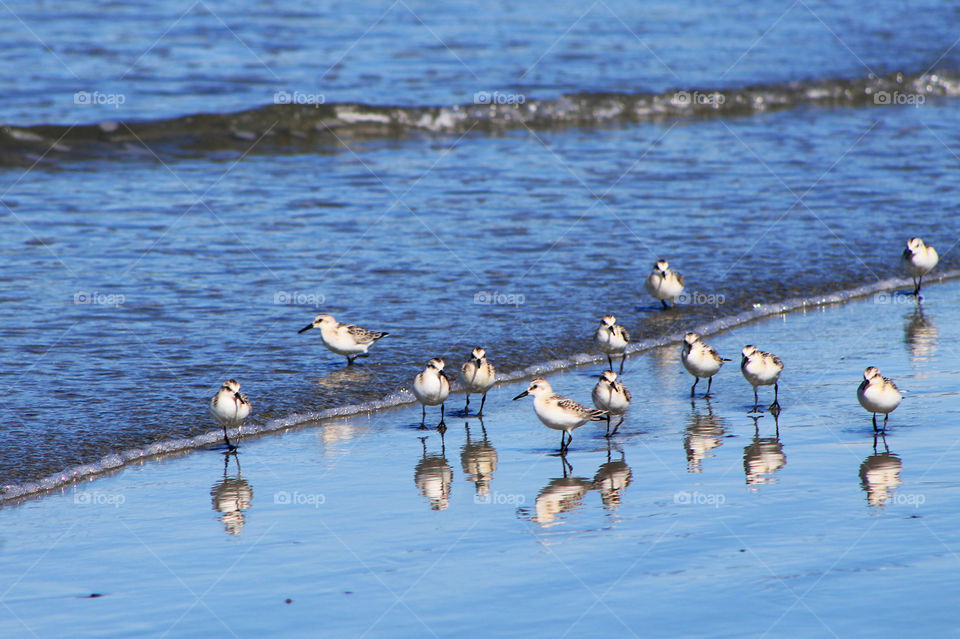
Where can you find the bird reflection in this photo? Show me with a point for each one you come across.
(231, 496)
(920, 335)
(612, 478)
(764, 456)
(704, 433)
(559, 496)
(880, 474)
(479, 461)
(433, 476)
(345, 378)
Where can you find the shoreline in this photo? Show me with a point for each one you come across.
(16, 493)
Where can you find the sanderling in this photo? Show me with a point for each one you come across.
(878, 394)
(918, 260)
(344, 339)
(761, 369)
(612, 396)
(478, 376)
(700, 360)
(558, 412)
(431, 387)
(230, 407)
(612, 339)
(664, 284)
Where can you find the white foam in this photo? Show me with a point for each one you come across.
(403, 396)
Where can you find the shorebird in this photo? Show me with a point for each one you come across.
(344, 339)
(664, 284)
(878, 394)
(612, 396)
(558, 412)
(918, 260)
(700, 360)
(761, 369)
(612, 339)
(478, 376)
(230, 407)
(431, 387)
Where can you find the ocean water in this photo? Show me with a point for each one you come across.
(152, 254)
(695, 520)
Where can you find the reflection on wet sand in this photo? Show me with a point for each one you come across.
(334, 432)
(704, 433)
(479, 461)
(920, 335)
(560, 495)
(433, 475)
(231, 496)
(764, 456)
(342, 377)
(612, 478)
(880, 474)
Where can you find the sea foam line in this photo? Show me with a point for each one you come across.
(114, 461)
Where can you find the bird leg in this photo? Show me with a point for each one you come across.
(610, 361)
(608, 426)
(482, 402)
(664, 302)
(423, 416)
(617, 427)
(441, 417)
(623, 358)
(466, 408)
(776, 393)
(696, 380)
(709, 384)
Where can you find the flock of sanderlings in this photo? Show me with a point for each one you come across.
(431, 386)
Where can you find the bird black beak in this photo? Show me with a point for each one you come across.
(523, 394)
(305, 329)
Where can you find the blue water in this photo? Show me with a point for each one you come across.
(139, 279)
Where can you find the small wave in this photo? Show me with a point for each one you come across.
(303, 126)
(15, 492)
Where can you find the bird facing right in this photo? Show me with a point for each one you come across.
(761, 369)
(878, 394)
(918, 260)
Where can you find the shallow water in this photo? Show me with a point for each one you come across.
(766, 526)
(138, 279)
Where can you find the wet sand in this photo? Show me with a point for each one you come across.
(695, 520)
